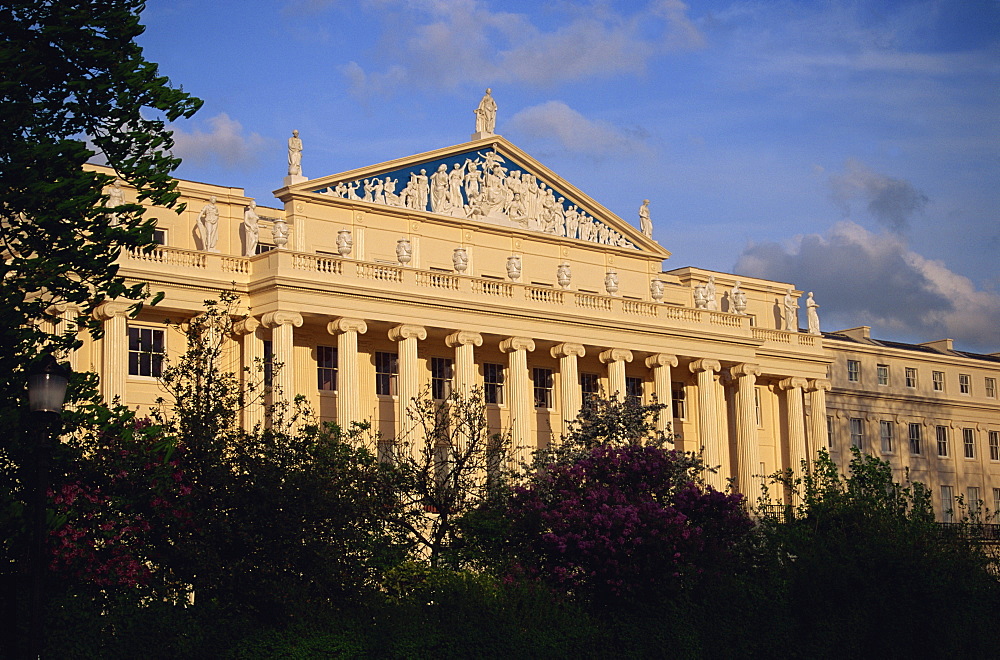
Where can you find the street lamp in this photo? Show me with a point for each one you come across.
(47, 382)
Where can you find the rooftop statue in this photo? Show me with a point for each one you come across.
(116, 197)
(791, 313)
(486, 114)
(208, 225)
(812, 316)
(645, 224)
(294, 155)
(251, 228)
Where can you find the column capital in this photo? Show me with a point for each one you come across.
(58, 309)
(463, 338)
(745, 369)
(512, 344)
(615, 355)
(407, 331)
(274, 319)
(705, 364)
(818, 384)
(568, 350)
(345, 324)
(109, 310)
(246, 326)
(661, 360)
(792, 383)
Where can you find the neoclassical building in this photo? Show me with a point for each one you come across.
(475, 265)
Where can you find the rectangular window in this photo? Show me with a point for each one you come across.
(326, 368)
(386, 370)
(915, 439)
(854, 371)
(829, 431)
(883, 374)
(969, 442)
(633, 389)
(972, 499)
(937, 379)
(679, 401)
(994, 445)
(145, 352)
(441, 375)
(268, 363)
(965, 383)
(589, 386)
(160, 236)
(543, 387)
(991, 388)
(756, 407)
(857, 433)
(264, 247)
(942, 440)
(887, 433)
(947, 504)
(493, 383)
(911, 377)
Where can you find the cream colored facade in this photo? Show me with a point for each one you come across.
(752, 397)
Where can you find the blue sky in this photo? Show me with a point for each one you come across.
(850, 148)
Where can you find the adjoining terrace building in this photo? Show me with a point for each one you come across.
(475, 265)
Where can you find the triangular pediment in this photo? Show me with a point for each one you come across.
(490, 181)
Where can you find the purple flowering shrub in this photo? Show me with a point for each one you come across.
(621, 522)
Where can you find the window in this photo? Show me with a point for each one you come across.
(678, 399)
(991, 388)
(829, 431)
(969, 442)
(543, 387)
(994, 445)
(972, 499)
(911, 377)
(145, 352)
(268, 363)
(937, 378)
(883, 374)
(160, 236)
(887, 433)
(264, 247)
(633, 389)
(965, 383)
(589, 386)
(756, 406)
(326, 368)
(857, 432)
(947, 504)
(914, 438)
(493, 383)
(854, 371)
(441, 375)
(386, 370)
(942, 440)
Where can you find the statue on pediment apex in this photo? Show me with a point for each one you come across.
(645, 224)
(486, 114)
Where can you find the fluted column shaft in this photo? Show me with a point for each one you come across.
(282, 326)
(796, 422)
(662, 387)
(408, 380)
(348, 372)
(252, 358)
(521, 408)
(114, 349)
(817, 416)
(616, 358)
(464, 343)
(570, 395)
(65, 323)
(747, 454)
(708, 416)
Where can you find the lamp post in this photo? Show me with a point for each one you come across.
(47, 382)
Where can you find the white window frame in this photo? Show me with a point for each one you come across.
(857, 432)
(543, 393)
(442, 374)
(937, 381)
(947, 504)
(882, 370)
(994, 440)
(386, 378)
(854, 371)
(494, 375)
(991, 388)
(941, 437)
(969, 443)
(911, 376)
(887, 435)
(965, 384)
(146, 355)
(915, 434)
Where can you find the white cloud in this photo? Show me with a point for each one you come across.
(892, 202)
(555, 121)
(864, 278)
(223, 144)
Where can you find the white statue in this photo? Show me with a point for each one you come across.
(791, 313)
(294, 155)
(514, 267)
(116, 197)
(208, 225)
(611, 282)
(404, 251)
(460, 259)
(812, 315)
(279, 233)
(251, 229)
(738, 300)
(345, 242)
(564, 275)
(656, 289)
(711, 301)
(645, 224)
(423, 190)
(486, 113)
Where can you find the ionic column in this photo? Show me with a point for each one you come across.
(616, 358)
(408, 381)
(114, 349)
(66, 323)
(662, 387)
(252, 359)
(521, 408)
(283, 351)
(348, 372)
(747, 456)
(570, 395)
(796, 422)
(464, 343)
(708, 419)
(817, 415)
